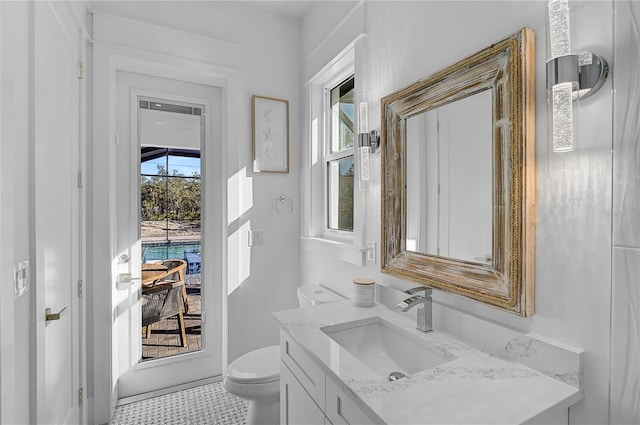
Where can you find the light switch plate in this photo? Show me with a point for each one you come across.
(21, 278)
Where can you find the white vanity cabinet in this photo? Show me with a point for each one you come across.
(308, 396)
(296, 405)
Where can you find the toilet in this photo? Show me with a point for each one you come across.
(255, 376)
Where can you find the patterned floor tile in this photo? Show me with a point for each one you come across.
(206, 404)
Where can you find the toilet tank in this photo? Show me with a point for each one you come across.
(310, 295)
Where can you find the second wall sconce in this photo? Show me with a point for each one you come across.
(570, 77)
(368, 142)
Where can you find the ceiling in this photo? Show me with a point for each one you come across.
(292, 9)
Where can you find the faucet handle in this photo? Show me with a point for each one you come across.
(425, 290)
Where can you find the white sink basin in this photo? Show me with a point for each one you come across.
(386, 348)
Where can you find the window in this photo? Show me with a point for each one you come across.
(334, 220)
(339, 159)
(169, 194)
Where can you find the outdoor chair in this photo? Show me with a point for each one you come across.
(175, 273)
(163, 301)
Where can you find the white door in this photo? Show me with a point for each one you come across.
(57, 209)
(134, 375)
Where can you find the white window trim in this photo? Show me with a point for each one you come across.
(317, 237)
(328, 156)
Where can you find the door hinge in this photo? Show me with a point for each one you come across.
(80, 397)
(203, 317)
(80, 179)
(79, 289)
(80, 70)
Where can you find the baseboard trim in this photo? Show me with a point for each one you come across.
(169, 390)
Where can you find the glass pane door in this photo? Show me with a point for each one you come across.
(170, 228)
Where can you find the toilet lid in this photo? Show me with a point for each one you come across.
(318, 294)
(256, 367)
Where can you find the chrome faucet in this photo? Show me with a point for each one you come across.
(421, 297)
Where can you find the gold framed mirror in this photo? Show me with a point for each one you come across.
(484, 230)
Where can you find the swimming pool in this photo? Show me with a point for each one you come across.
(189, 251)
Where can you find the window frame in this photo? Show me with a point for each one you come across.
(329, 156)
(317, 238)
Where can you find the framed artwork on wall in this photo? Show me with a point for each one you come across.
(270, 134)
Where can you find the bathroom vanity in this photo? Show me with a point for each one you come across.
(336, 362)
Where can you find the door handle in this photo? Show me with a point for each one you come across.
(53, 316)
(126, 278)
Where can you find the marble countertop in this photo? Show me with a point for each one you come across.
(475, 387)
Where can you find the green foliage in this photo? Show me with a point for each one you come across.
(345, 200)
(170, 196)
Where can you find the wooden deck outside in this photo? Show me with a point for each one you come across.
(165, 335)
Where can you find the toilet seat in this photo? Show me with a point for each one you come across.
(259, 366)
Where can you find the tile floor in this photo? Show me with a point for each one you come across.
(207, 404)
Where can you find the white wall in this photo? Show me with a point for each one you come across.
(259, 54)
(625, 362)
(407, 41)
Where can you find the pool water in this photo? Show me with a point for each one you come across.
(189, 251)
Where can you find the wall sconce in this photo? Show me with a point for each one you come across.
(368, 142)
(569, 77)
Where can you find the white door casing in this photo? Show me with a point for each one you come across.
(57, 213)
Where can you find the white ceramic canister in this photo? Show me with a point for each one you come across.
(364, 292)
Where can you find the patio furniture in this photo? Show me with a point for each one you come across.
(162, 301)
(175, 272)
(152, 272)
(193, 261)
(171, 270)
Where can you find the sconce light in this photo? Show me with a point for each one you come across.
(368, 142)
(569, 77)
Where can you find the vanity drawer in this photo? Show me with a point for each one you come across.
(340, 408)
(309, 374)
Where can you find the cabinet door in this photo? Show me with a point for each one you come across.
(341, 409)
(309, 374)
(296, 405)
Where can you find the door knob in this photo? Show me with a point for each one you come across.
(124, 259)
(53, 316)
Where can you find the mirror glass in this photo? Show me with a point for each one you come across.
(450, 180)
(458, 177)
